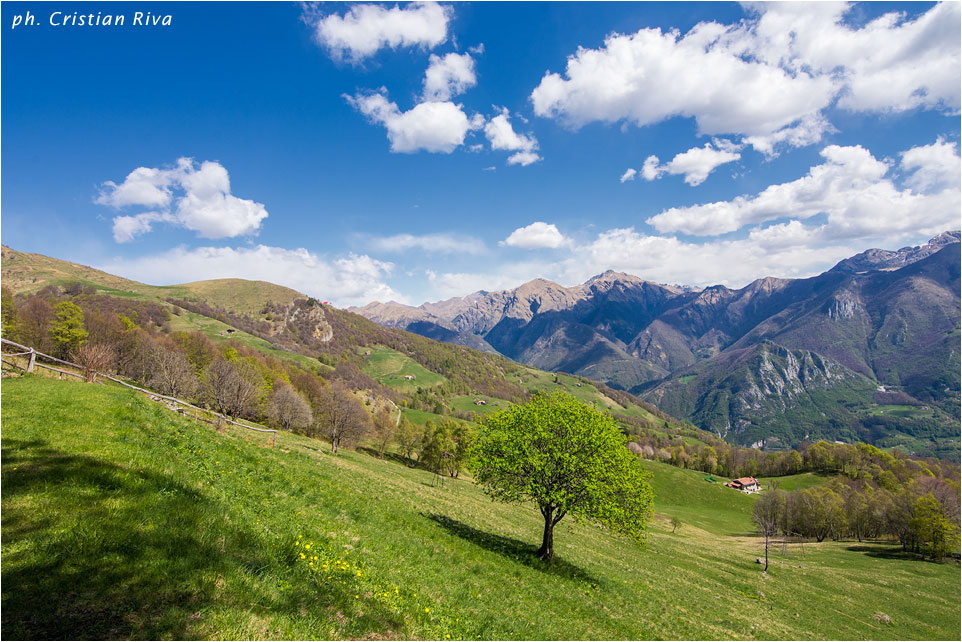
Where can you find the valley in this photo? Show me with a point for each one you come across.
(775, 363)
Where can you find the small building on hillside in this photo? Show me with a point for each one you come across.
(745, 484)
(409, 377)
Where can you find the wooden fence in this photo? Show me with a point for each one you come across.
(176, 404)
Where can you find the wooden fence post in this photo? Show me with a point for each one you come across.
(33, 358)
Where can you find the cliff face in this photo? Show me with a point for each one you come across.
(887, 318)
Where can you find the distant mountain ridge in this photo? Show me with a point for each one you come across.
(880, 319)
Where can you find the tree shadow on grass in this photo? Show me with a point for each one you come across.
(511, 548)
(388, 456)
(888, 552)
(93, 550)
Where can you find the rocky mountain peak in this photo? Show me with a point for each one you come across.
(876, 259)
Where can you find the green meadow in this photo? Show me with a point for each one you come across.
(391, 368)
(122, 519)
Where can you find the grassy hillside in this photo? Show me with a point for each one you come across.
(390, 368)
(24, 272)
(237, 295)
(385, 355)
(796, 482)
(121, 519)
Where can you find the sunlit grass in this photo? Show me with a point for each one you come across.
(122, 519)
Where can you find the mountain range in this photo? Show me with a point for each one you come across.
(867, 350)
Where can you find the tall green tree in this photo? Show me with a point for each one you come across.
(568, 458)
(68, 329)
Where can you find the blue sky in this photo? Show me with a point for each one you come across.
(421, 151)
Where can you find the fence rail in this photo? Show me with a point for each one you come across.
(33, 354)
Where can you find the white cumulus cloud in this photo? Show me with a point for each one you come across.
(932, 166)
(852, 188)
(195, 197)
(888, 64)
(650, 76)
(538, 235)
(349, 280)
(793, 60)
(438, 127)
(695, 164)
(367, 28)
(629, 175)
(448, 76)
(502, 136)
(651, 170)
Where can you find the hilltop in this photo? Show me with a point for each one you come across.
(24, 272)
(281, 323)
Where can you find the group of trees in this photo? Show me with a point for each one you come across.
(864, 462)
(922, 515)
(466, 370)
(876, 494)
(133, 339)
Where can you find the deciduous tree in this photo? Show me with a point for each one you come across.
(68, 329)
(385, 426)
(287, 408)
(171, 372)
(340, 416)
(94, 358)
(767, 513)
(566, 457)
(8, 312)
(231, 388)
(408, 437)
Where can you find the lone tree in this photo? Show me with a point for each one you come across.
(567, 457)
(767, 513)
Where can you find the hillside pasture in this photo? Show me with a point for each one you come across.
(389, 367)
(466, 403)
(795, 482)
(122, 519)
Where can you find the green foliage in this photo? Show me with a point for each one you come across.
(567, 458)
(68, 328)
(8, 311)
(408, 436)
(937, 535)
(675, 524)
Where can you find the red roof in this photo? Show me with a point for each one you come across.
(745, 481)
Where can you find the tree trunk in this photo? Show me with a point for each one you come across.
(766, 553)
(546, 552)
